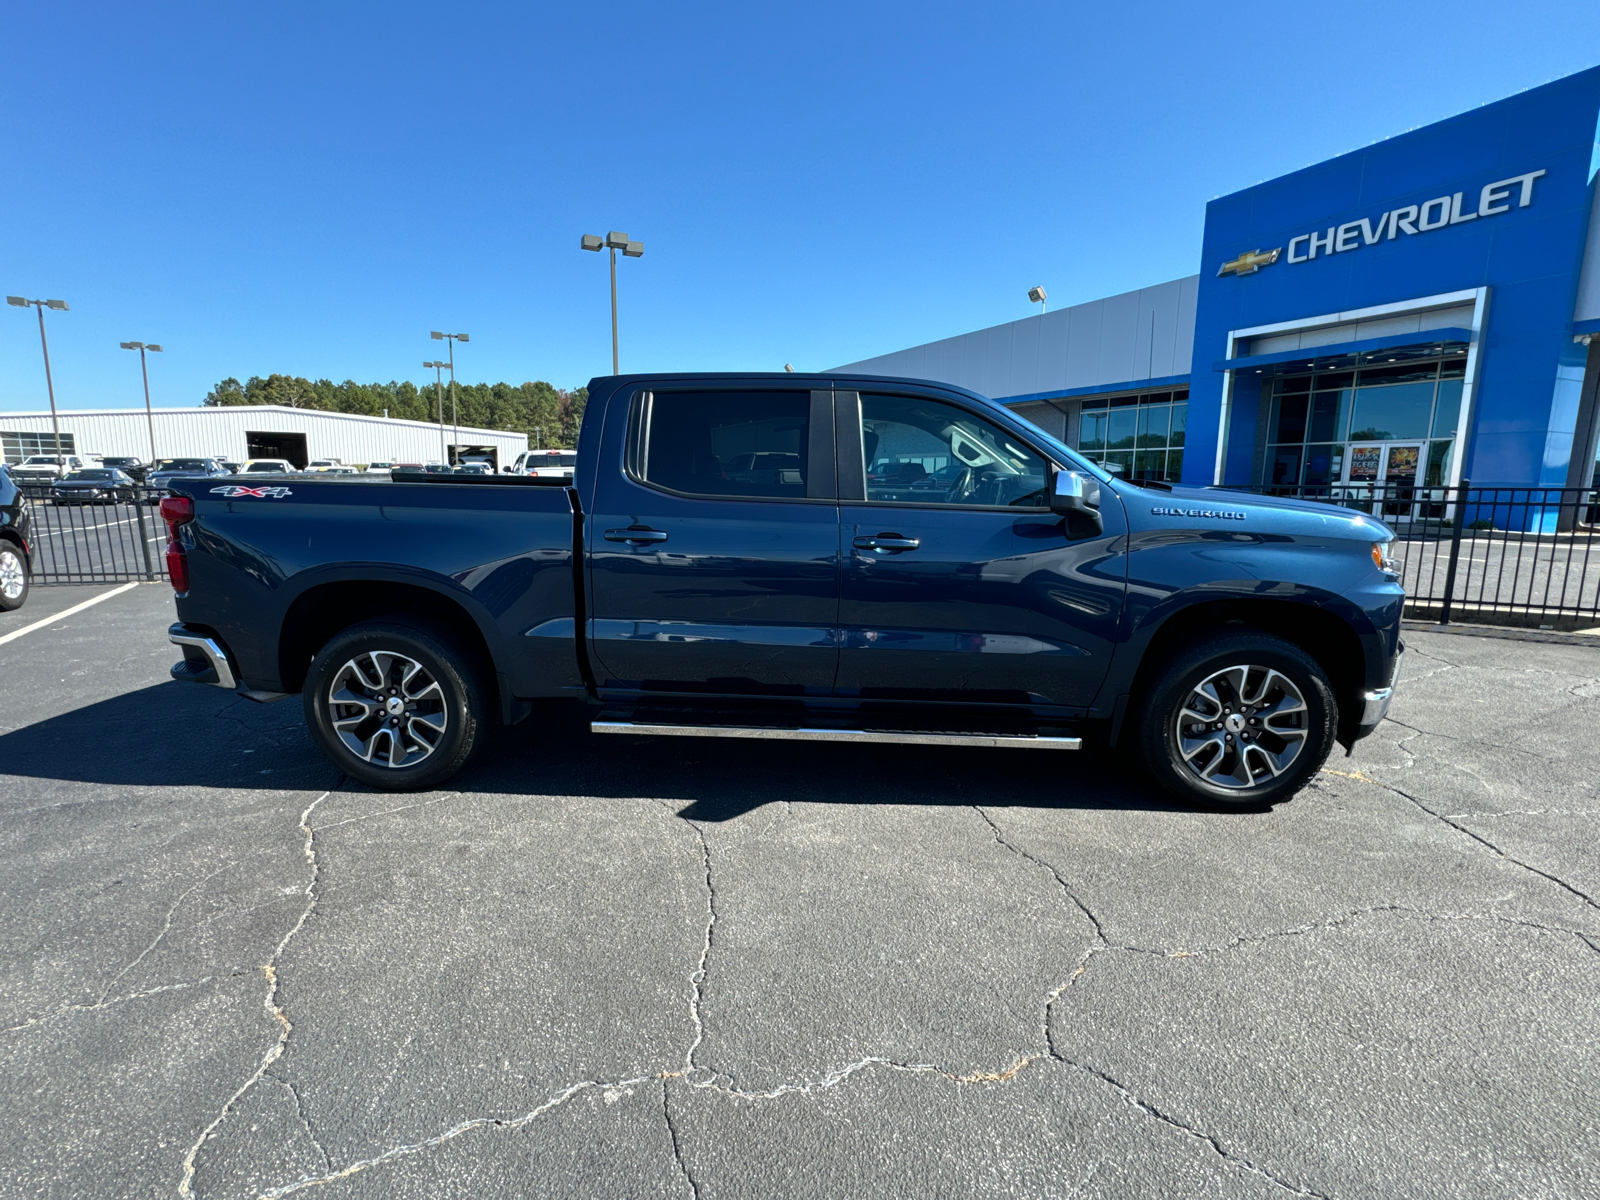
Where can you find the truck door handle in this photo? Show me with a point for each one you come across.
(885, 541)
(636, 534)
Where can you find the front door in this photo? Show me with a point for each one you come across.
(1387, 474)
(958, 583)
(713, 548)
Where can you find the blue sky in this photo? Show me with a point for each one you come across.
(311, 188)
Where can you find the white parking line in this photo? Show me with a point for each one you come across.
(76, 608)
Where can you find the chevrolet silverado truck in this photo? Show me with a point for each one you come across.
(809, 557)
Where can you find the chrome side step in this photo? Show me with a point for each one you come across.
(882, 737)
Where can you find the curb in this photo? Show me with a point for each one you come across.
(1508, 633)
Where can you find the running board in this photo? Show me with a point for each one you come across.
(882, 737)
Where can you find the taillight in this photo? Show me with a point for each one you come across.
(176, 511)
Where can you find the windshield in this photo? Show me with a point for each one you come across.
(183, 464)
(257, 468)
(551, 460)
(91, 475)
(42, 460)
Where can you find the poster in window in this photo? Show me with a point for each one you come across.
(1402, 466)
(1364, 463)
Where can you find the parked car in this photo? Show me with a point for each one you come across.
(45, 468)
(16, 566)
(95, 485)
(269, 466)
(379, 468)
(546, 464)
(168, 469)
(135, 468)
(474, 468)
(1227, 640)
(323, 464)
(231, 467)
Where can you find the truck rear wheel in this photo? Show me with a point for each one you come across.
(1238, 721)
(400, 708)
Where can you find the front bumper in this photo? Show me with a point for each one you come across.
(1375, 703)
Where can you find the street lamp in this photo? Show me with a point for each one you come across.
(141, 347)
(613, 241)
(455, 414)
(438, 390)
(41, 305)
(1037, 295)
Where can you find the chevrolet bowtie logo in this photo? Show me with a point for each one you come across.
(1249, 262)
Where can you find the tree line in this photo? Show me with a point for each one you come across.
(549, 415)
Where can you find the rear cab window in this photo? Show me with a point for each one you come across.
(733, 444)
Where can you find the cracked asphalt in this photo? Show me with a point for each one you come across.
(622, 967)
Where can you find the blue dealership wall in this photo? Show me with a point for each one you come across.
(1530, 371)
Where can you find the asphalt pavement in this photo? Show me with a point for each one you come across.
(624, 967)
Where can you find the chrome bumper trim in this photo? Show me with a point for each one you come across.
(882, 737)
(179, 635)
(1375, 704)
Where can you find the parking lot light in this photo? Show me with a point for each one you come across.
(438, 391)
(455, 408)
(144, 369)
(613, 241)
(41, 305)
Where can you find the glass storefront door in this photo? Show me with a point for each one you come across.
(1384, 476)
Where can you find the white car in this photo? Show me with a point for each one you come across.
(546, 464)
(268, 466)
(323, 464)
(46, 468)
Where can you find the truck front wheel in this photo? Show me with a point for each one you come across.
(397, 707)
(1238, 721)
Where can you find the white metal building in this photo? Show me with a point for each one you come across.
(252, 431)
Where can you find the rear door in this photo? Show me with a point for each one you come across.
(713, 546)
(958, 583)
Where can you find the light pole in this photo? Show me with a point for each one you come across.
(438, 390)
(41, 305)
(1037, 295)
(455, 411)
(613, 241)
(141, 347)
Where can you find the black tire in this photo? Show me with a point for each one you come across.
(1267, 741)
(13, 560)
(448, 699)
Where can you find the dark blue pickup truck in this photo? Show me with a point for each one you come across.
(825, 558)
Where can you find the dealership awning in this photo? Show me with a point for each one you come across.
(1420, 338)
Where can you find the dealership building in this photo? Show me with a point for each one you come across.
(241, 432)
(1424, 310)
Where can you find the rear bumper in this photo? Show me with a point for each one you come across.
(205, 658)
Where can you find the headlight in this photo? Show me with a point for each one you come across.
(1382, 559)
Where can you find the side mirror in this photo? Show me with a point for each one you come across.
(1076, 496)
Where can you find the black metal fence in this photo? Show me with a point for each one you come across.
(1494, 555)
(117, 538)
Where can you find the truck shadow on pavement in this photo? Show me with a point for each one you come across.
(179, 735)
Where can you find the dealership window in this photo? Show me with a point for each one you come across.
(1384, 416)
(18, 446)
(1139, 436)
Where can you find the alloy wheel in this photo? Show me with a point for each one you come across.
(387, 709)
(1241, 726)
(12, 577)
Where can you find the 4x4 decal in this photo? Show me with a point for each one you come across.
(235, 490)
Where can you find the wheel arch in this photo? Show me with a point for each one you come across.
(325, 609)
(1330, 638)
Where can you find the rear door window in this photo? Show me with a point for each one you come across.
(738, 444)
